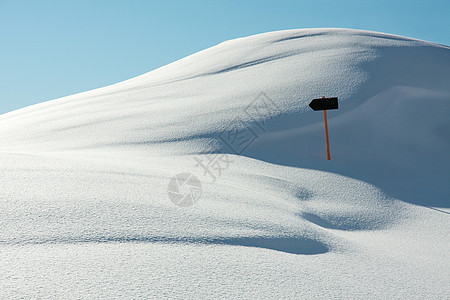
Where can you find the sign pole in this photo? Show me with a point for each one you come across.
(325, 104)
(326, 134)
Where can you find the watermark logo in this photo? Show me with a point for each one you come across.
(241, 134)
(212, 162)
(184, 189)
(238, 137)
(261, 109)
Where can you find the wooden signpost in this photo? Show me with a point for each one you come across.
(325, 104)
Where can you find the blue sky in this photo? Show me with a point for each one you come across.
(51, 49)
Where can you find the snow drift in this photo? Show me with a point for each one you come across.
(88, 173)
(393, 118)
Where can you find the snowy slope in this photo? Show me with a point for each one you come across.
(84, 181)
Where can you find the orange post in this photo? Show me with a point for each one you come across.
(326, 134)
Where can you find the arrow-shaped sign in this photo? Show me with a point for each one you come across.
(325, 104)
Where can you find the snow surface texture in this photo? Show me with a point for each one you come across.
(84, 202)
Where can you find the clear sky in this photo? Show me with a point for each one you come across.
(50, 49)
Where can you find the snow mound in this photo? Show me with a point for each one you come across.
(392, 119)
(87, 175)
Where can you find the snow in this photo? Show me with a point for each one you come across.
(84, 179)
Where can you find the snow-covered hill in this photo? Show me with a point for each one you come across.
(84, 179)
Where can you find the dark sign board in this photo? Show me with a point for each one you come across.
(324, 103)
